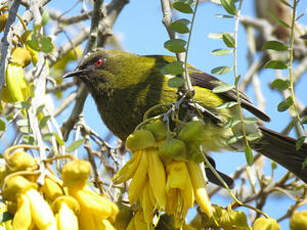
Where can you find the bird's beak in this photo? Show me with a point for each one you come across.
(74, 73)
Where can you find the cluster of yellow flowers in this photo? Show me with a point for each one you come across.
(164, 175)
(57, 204)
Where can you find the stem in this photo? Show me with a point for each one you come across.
(291, 66)
(237, 77)
(186, 76)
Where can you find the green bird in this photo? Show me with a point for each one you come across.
(124, 86)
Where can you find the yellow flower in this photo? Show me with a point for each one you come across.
(30, 204)
(66, 209)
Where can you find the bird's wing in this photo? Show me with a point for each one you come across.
(207, 81)
(204, 80)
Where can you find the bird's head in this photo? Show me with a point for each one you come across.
(100, 69)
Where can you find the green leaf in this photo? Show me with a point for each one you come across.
(22, 122)
(25, 129)
(45, 17)
(253, 136)
(215, 35)
(273, 165)
(33, 43)
(229, 40)
(25, 105)
(182, 6)
(274, 64)
(249, 155)
(39, 109)
(58, 139)
(176, 82)
(73, 146)
(43, 121)
(299, 142)
(216, 2)
(222, 88)
(227, 105)
(180, 26)
(175, 45)
(46, 44)
(47, 136)
(229, 6)
(231, 123)
(280, 84)
(223, 16)
(304, 120)
(173, 68)
(221, 52)
(234, 139)
(278, 20)
(27, 139)
(304, 165)
(221, 70)
(274, 45)
(284, 105)
(2, 125)
(250, 120)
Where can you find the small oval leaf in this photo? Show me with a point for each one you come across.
(180, 26)
(226, 105)
(221, 52)
(229, 6)
(173, 68)
(304, 120)
(221, 70)
(182, 6)
(280, 84)
(229, 40)
(222, 88)
(275, 64)
(249, 155)
(73, 146)
(175, 45)
(176, 82)
(284, 105)
(274, 45)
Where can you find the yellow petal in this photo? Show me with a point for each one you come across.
(93, 203)
(188, 193)
(66, 218)
(86, 221)
(176, 175)
(22, 219)
(41, 211)
(147, 205)
(138, 180)
(128, 170)
(157, 178)
(199, 186)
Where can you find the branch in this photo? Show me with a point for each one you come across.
(7, 41)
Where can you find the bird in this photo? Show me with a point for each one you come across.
(125, 86)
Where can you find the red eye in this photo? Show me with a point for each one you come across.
(99, 62)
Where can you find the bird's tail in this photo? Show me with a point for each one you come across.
(282, 149)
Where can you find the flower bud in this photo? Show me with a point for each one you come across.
(173, 148)
(21, 56)
(140, 139)
(76, 173)
(20, 161)
(266, 224)
(298, 220)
